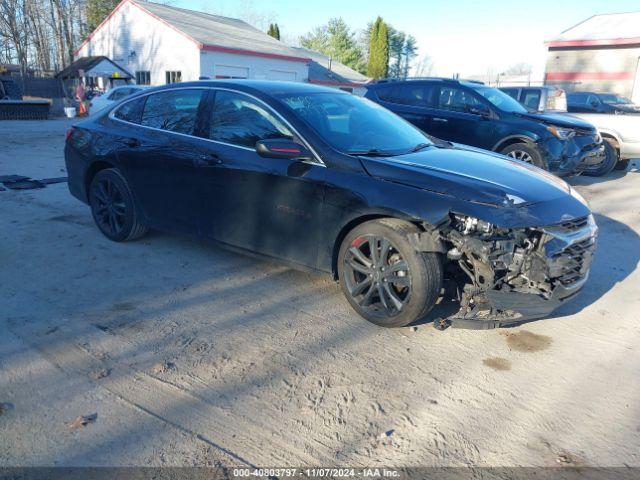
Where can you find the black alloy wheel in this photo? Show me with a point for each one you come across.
(382, 275)
(113, 208)
(377, 276)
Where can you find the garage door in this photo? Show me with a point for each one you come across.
(281, 75)
(228, 71)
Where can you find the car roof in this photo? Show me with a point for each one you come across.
(398, 81)
(269, 87)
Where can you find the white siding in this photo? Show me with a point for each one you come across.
(158, 48)
(257, 67)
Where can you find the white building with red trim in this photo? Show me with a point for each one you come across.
(161, 44)
(600, 54)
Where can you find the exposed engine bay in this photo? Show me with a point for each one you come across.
(509, 275)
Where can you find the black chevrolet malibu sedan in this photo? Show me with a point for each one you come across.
(323, 180)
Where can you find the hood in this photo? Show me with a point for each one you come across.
(559, 119)
(625, 107)
(470, 175)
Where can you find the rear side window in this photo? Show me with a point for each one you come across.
(577, 98)
(532, 99)
(131, 111)
(175, 111)
(240, 120)
(406, 94)
(512, 92)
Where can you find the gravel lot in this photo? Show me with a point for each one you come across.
(191, 355)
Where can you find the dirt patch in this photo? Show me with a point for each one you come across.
(497, 363)
(526, 341)
(83, 421)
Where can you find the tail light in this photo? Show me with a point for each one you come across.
(70, 133)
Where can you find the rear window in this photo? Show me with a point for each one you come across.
(175, 110)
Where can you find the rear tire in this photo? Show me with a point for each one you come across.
(395, 286)
(609, 163)
(113, 208)
(622, 165)
(526, 153)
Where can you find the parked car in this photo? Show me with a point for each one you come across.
(541, 99)
(621, 133)
(477, 115)
(593, 102)
(323, 180)
(110, 98)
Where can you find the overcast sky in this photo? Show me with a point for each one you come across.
(460, 36)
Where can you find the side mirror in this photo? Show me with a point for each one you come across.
(282, 148)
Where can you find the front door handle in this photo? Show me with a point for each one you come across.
(208, 160)
(441, 120)
(132, 142)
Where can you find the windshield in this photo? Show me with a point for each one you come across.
(354, 124)
(499, 99)
(611, 98)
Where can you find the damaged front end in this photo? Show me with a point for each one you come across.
(506, 276)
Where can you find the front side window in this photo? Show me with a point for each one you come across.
(175, 110)
(611, 98)
(240, 120)
(457, 99)
(173, 76)
(354, 124)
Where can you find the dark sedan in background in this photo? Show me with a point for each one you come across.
(474, 114)
(326, 181)
(594, 102)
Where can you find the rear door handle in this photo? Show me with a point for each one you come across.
(442, 120)
(132, 142)
(208, 160)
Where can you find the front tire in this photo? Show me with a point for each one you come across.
(113, 208)
(609, 163)
(384, 278)
(526, 153)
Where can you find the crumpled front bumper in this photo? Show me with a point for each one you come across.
(573, 156)
(568, 253)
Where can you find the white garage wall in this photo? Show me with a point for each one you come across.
(158, 48)
(216, 63)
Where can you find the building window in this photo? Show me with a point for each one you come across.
(143, 78)
(173, 77)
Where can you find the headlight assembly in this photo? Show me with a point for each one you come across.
(561, 133)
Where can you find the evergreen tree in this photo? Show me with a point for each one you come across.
(378, 64)
(274, 31)
(337, 41)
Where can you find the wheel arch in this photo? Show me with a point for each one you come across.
(92, 171)
(511, 140)
(615, 140)
(359, 220)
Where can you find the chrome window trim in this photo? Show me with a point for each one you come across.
(112, 113)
